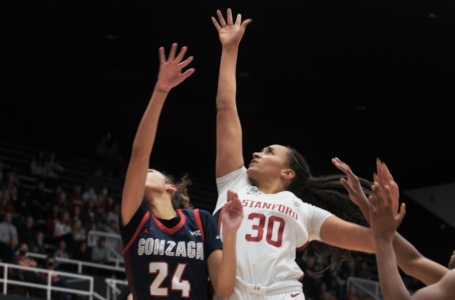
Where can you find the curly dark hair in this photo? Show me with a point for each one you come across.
(328, 193)
(180, 199)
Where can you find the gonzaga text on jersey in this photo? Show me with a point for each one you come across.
(188, 249)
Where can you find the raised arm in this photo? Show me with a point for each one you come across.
(229, 156)
(384, 221)
(222, 266)
(169, 76)
(411, 261)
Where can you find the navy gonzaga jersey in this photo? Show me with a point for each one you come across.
(169, 261)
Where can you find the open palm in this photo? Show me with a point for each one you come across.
(230, 33)
(170, 74)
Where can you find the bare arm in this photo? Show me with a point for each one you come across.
(334, 231)
(229, 156)
(168, 77)
(222, 265)
(411, 261)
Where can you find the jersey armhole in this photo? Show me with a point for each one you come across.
(197, 216)
(138, 229)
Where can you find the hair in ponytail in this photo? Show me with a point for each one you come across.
(328, 193)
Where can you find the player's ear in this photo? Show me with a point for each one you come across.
(288, 173)
(170, 188)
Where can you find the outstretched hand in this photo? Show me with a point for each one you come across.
(230, 33)
(170, 74)
(352, 184)
(232, 212)
(383, 177)
(383, 218)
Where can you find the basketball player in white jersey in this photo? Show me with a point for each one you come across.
(273, 190)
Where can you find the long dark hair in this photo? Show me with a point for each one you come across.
(328, 193)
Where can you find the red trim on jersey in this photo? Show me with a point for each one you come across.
(303, 247)
(129, 274)
(197, 216)
(219, 218)
(176, 227)
(138, 229)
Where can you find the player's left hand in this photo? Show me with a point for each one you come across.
(170, 74)
(383, 218)
(232, 212)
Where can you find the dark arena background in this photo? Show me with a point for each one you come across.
(332, 78)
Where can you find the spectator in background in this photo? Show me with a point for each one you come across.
(62, 229)
(53, 166)
(77, 214)
(27, 232)
(11, 180)
(62, 225)
(351, 294)
(38, 166)
(309, 286)
(22, 259)
(89, 216)
(332, 282)
(61, 251)
(37, 244)
(52, 219)
(111, 228)
(6, 206)
(99, 253)
(101, 208)
(113, 214)
(56, 280)
(82, 252)
(9, 250)
(40, 203)
(19, 202)
(76, 199)
(363, 271)
(78, 231)
(97, 180)
(90, 194)
(62, 202)
(7, 230)
(323, 293)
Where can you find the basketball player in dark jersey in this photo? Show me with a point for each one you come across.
(169, 249)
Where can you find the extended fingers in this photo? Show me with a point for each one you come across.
(161, 55)
(229, 16)
(181, 54)
(220, 17)
(401, 214)
(217, 26)
(186, 62)
(245, 23)
(172, 53)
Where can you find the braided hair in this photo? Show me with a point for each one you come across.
(328, 193)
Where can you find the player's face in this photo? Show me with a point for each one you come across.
(452, 261)
(268, 163)
(155, 181)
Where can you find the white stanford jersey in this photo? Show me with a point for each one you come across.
(274, 226)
